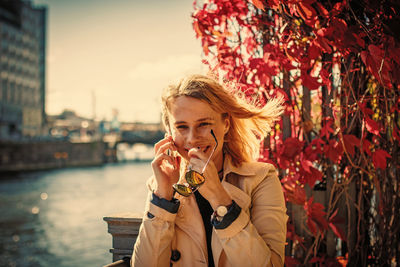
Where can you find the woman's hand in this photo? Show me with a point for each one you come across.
(165, 167)
(212, 189)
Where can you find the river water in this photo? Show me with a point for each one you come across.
(55, 218)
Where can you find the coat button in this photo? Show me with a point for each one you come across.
(175, 255)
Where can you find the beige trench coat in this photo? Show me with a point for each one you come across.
(256, 238)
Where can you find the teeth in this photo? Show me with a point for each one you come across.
(200, 148)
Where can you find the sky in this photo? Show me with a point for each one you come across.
(106, 54)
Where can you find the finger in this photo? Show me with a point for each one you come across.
(158, 159)
(164, 147)
(167, 138)
(160, 143)
(177, 162)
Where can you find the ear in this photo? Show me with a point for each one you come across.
(227, 124)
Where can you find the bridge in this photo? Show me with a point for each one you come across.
(145, 137)
(113, 140)
(132, 133)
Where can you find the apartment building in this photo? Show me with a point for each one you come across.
(22, 69)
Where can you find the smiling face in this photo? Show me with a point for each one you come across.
(190, 123)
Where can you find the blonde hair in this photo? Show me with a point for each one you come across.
(248, 123)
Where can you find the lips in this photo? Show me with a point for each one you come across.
(204, 149)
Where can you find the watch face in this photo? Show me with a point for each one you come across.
(221, 211)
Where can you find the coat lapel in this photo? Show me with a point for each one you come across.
(189, 220)
(238, 195)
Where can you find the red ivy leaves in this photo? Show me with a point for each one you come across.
(316, 219)
(371, 125)
(263, 47)
(367, 147)
(350, 142)
(380, 67)
(335, 223)
(333, 150)
(316, 216)
(312, 175)
(327, 129)
(294, 192)
(306, 12)
(379, 158)
(291, 148)
(310, 82)
(258, 4)
(314, 150)
(291, 261)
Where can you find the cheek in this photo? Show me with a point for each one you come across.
(180, 143)
(178, 140)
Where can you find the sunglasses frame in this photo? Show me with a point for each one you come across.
(190, 187)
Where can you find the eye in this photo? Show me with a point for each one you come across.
(181, 127)
(203, 124)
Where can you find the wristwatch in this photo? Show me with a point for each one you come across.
(220, 212)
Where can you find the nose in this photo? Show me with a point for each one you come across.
(192, 136)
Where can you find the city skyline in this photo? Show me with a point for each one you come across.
(120, 54)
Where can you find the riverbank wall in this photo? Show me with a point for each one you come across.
(29, 156)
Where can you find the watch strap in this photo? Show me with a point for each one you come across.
(171, 206)
(233, 212)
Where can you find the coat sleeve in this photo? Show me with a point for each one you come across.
(153, 244)
(257, 237)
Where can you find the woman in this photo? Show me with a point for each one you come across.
(233, 212)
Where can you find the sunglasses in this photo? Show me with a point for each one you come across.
(194, 178)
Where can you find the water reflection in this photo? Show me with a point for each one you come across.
(54, 218)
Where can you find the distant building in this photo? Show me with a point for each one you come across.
(22, 68)
(69, 125)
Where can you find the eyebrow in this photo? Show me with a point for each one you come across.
(199, 120)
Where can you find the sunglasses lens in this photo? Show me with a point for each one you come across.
(194, 178)
(182, 189)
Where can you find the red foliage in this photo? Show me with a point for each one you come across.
(350, 142)
(291, 261)
(316, 217)
(335, 223)
(294, 192)
(379, 158)
(291, 148)
(275, 48)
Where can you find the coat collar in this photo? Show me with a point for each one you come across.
(244, 169)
